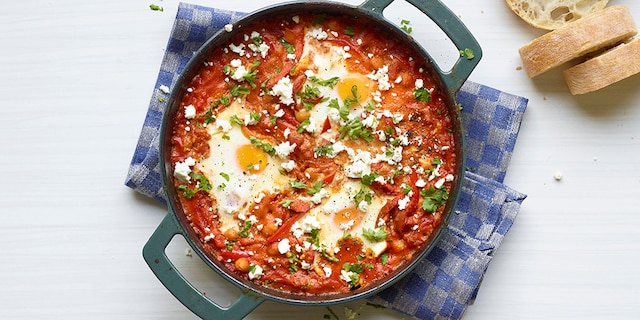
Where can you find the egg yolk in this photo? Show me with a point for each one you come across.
(251, 158)
(357, 86)
(345, 216)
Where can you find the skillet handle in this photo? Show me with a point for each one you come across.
(452, 27)
(155, 256)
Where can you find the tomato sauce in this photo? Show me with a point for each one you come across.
(412, 186)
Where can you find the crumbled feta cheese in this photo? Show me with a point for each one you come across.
(439, 183)
(317, 33)
(421, 183)
(309, 223)
(209, 237)
(327, 271)
(235, 63)
(317, 198)
(228, 27)
(284, 149)
(346, 275)
(398, 79)
(370, 121)
(239, 73)
(279, 114)
(295, 19)
(255, 272)
(347, 225)
(278, 221)
(360, 166)
(402, 203)
(419, 83)
(223, 125)
(382, 77)
(381, 222)
(283, 89)
(239, 49)
(284, 246)
(288, 166)
(296, 229)
(189, 112)
(164, 89)
(305, 265)
(449, 177)
(182, 169)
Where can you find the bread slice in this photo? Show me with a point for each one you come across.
(553, 14)
(612, 66)
(594, 32)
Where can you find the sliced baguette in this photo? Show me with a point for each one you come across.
(553, 14)
(594, 32)
(612, 66)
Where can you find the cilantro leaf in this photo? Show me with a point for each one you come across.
(349, 31)
(297, 184)
(384, 258)
(317, 186)
(331, 82)
(286, 203)
(287, 46)
(368, 179)
(422, 94)
(235, 119)
(376, 235)
(433, 198)
(244, 232)
(324, 150)
(266, 147)
(468, 53)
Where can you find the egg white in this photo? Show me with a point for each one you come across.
(242, 188)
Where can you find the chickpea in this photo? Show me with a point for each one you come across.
(272, 249)
(302, 115)
(242, 264)
(231, 234)
(269, 228)
(398, 245)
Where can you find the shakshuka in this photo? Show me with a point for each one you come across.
(313, 154)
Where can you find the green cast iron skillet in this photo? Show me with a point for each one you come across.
(370, 13)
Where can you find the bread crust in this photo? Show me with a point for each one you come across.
(610, 67)
(594, 32)
(553, 14)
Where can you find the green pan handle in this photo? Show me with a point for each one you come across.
(155, 256)
(452, 27)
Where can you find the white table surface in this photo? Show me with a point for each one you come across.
(75, 80)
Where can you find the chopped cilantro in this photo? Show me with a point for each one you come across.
(286, 203)
(244, 232)
(237, 90)
(297, 184)
(324, 150)
(355, 129)
(201, 185)
(436, 161)
(370, 106)
(353, 267)
(288, 46)
(376, 235)
(317, 186)
(310, 97)
(266, 147)
(349, 31)
(406, 188)
(186, 191)
(344, 111)
(364, 194)
(252, 269)
(331, 82)
(405, 26)
(433, 198)
(229, 244)
(468, 53)
(329, 257)
(368, 179)
(156, 7)
(303, 125)
(384, 258)
(254, 116)
(349, 101)
(222, 186)
(422, 94)
(319, 19)
(315, 237)
(224, 175)
(234, 119)
(251, 75)
(257, 40)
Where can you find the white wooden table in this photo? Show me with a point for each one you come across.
(75, 79)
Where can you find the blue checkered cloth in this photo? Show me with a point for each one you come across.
(447, 281)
